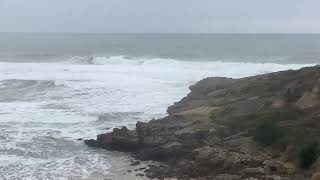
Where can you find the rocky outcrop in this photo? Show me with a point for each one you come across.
(219, 130)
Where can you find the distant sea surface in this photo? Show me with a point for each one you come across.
(57, 88)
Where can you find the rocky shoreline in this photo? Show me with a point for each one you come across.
(264, 127)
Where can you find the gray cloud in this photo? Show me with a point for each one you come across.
(163, 16)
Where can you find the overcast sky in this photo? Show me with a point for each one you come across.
(160, 16)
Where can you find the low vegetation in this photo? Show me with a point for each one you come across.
(268, 133)
(308, 155)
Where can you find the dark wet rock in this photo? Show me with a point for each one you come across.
(140, 174)
(159, 172)
(120, 139)
(91, 143)
(135, 163)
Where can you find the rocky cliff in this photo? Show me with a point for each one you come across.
(262, 127)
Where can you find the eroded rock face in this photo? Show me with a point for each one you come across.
(209, 133)
(120, 139)
(212, 87)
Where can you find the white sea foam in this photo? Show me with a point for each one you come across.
(50, 105)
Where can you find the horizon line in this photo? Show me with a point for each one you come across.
(168, 33)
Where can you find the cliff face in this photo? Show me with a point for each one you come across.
(228, 129)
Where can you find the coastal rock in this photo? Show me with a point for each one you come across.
(280, 167)
(212, 133)
(135, 163)
(91, 143)
(255, 171)
(120, 139)
(213, 87)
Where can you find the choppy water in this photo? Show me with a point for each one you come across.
(55, 89)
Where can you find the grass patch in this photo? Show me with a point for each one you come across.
(252, 121)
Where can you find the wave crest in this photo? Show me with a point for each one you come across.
(26, 84)
(210, 68)
(20, 90)
(102, 60)
(114, 60)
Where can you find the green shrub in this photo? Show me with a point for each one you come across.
(253, 120)
(267, 133)
(308, 155)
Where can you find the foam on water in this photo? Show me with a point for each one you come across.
(46, 107)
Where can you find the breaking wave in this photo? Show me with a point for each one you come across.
(23, 90)
(25, 84)
(217, 68)
(46, 107)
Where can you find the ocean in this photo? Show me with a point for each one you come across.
(56, 89)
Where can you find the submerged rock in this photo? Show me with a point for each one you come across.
(135, 163)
